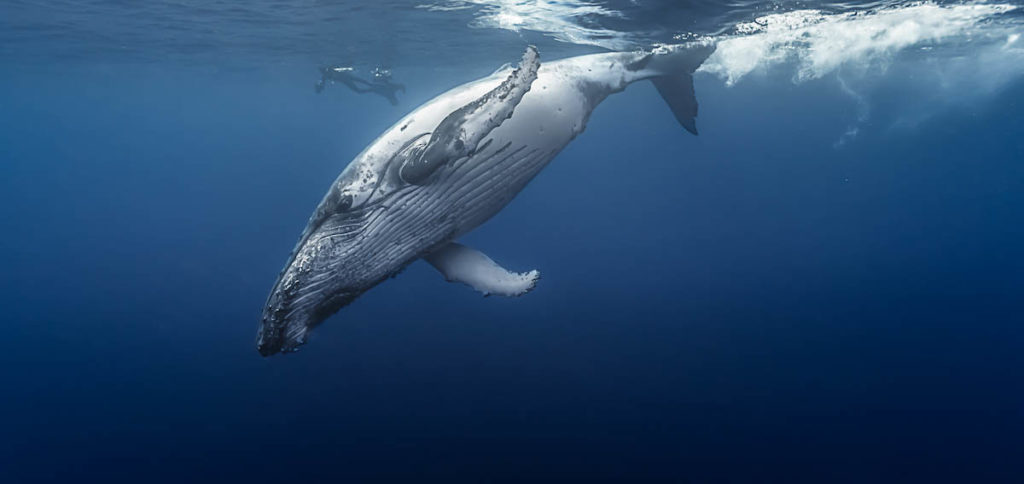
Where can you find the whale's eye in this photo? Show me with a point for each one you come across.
(345, 202)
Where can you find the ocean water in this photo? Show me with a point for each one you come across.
(825, 285)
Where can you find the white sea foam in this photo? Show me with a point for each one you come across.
(816, 42)
(958, 53)
(853, 45)
(821, 43)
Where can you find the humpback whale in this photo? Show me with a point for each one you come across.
(446, 168)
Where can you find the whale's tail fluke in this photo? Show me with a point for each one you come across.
(672, 69)
(677, 91)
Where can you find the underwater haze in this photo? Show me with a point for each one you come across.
(825, 285)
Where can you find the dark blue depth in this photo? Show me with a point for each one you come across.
(751, 305)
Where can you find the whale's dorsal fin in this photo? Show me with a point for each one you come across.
(461, 131)
(458, 263)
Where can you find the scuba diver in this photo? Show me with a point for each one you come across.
(380, 84)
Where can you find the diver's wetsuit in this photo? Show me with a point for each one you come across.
(381, 84)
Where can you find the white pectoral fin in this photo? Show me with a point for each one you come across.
(458, 263)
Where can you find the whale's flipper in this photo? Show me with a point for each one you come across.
(460, 132)
(458, 263)
(677, 91)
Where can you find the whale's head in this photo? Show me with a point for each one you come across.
(364, 230)
(336, 259)
(313, 285)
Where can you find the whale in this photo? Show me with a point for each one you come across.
(445, 169)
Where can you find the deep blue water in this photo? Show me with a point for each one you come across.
(772, 301)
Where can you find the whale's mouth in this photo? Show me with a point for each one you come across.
(284, 327)
(316, 282)
(272, 338)
(308, 291)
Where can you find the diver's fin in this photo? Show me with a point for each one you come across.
(677, 91)
(458, 263)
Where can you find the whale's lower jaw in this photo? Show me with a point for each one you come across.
(282, 332)
(284, 327)
(286, 335)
